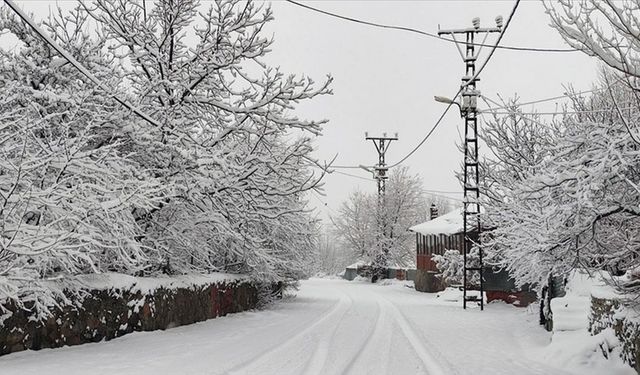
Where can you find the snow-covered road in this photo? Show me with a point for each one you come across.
(331, 327)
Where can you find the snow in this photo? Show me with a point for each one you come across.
(449, 223)
(357, 265)
(572, 345)
(331, 327)
(453, 294)
(571, 312)
(146, 285)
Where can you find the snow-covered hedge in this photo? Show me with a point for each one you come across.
(97, 307)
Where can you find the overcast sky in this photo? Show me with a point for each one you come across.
(385, 80)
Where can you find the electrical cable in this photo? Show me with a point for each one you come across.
(564, 96)
(77, 65)
(325, 204)
(438, 193)
(444, 197)
(472, 79)
(425, 33)
(345, 167)
(353, 175)
(430, 131)
(487, 100)
(442, 191)
(494, 111)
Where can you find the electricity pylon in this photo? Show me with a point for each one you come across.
(380, 174)
(469, 111)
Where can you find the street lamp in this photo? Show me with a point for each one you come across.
(368, 169)
(445, 100)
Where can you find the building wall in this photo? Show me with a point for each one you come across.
(437, 244)
(426, 279)
(498, 285)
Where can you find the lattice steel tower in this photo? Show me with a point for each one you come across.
(469, 111)
(380, 174)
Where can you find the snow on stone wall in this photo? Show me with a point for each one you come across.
(114, 305)
(608, 313)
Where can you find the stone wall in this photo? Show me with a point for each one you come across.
(113, 312)
(609, 313)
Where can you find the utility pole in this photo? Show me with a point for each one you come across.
(469, 111)
(380, 174)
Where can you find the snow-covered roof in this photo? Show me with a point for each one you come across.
(450, 223)
(357, 264)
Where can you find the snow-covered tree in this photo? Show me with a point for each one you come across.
(564, 193)
(573, 202)
(355, 224)
(362, 226)
(215, 182)
(222, 146)
(67, 193)
(331, 257)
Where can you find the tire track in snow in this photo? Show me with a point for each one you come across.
(318, 359)
(374, 336)
(339, 309)
(428, 359)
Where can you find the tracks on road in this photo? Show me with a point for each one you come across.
(428, 358)
(354, 336)
(325, 326)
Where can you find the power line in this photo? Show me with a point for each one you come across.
(493, 50)
(441, 191)
(494, 111)
(472, 79)
(325, 204)
(345, 167)
(513, 112)
(77, 65)
(354, 176)
(443, 196)
(563, 96)
(425, 33)
(438, 193)
(430, 131)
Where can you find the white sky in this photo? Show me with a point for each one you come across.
(385, 80)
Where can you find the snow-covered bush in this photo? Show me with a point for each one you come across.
(451, 267)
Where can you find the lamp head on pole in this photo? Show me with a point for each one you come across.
(442, 99)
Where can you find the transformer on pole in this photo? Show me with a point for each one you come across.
(469, 111)
(380, 175)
